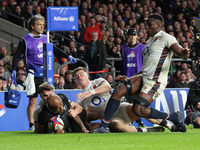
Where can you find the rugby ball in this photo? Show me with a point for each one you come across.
(55, 123)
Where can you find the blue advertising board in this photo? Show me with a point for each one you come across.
(48, 59)
(62, 19)
(16, 119)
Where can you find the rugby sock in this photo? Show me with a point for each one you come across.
(163, 123)
(31, 124)
(156, 114)
(140, 130)
(172, 117)
(111, 108)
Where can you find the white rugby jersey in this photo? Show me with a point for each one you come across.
(157, 57)
(95, 102)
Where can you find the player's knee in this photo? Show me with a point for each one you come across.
(119, 91)
(116, 125)
(139, 110)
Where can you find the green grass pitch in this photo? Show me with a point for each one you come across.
(27, 140)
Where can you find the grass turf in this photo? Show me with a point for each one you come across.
(26, 140)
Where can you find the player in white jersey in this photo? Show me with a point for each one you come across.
(95, 102)
(94, 97)
(142, 89)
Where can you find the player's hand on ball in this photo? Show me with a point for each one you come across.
(60, 131)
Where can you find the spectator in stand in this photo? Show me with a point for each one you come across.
(95, 7)
(29, 12)
(21, 77)
(81, 52)
(109, 20)
(58, 3)
(43, 7)
(73, 52)
(91, 28)
(69, 81)
(184, 10)
(83, 21)
(119, 34)
(35, 3)
(118, 41)
(62, 82)
(2, 87)
(18, 13)
(109, 78)
(175, 78)
(139, 13)
(4, 74)
(193, 77)
(184, 67)
(169, 19)
(70, 35)
(56, 81)
(81, 29)
(182, 81)
(21, 64)
(103, 25)
(62, 71)
(4, 7)
(11, 5)
(22, 4)
(7, 59)
(188, 78)
(193, 24)
(123, 29)
(72, 49)
(96, 55)
(110, 43)
(37, 10)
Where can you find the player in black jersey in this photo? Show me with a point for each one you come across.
(72, 114)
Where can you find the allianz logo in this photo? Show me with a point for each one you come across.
(59, 18)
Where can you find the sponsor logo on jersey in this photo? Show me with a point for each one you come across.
(40, 46)
(131, 55)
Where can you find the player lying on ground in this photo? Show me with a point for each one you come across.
(95, 95)
(58, 105)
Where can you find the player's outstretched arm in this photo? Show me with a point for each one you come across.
(184, 53)
(103, 88)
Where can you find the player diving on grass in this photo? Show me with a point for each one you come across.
(143, 88)
(94, 97)
(59, 105)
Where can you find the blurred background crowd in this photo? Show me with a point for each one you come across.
(112, 19)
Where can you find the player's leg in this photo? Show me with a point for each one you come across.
(170, 125)
(118, 125)
(32, 103)
(114, 101)
(30, 111)
(141, 109)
